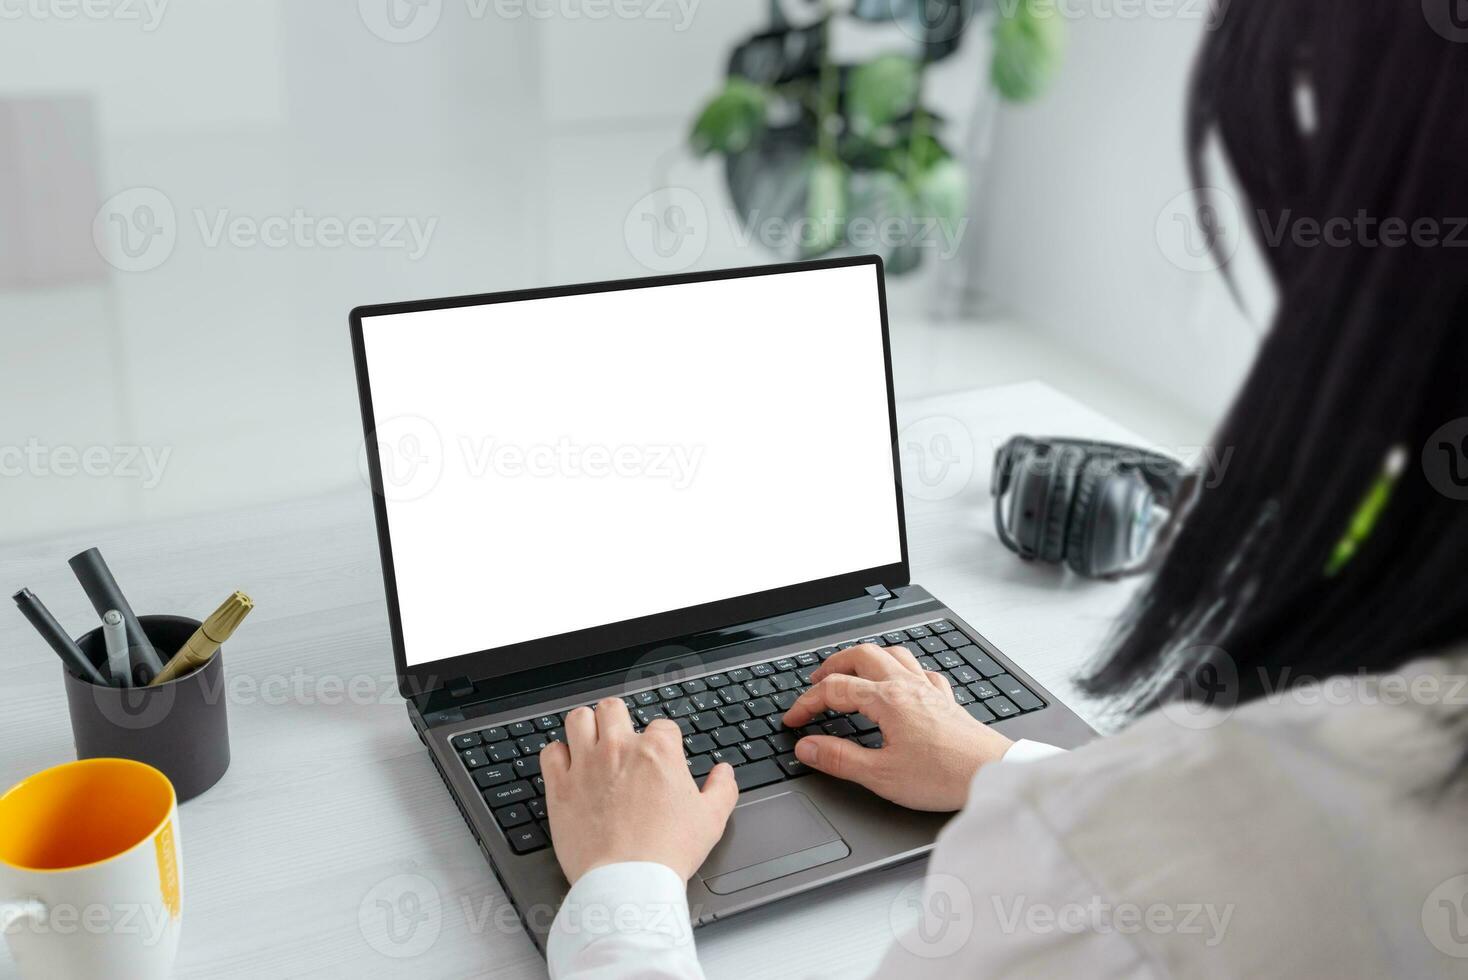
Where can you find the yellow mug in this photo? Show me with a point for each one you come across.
(91, 880)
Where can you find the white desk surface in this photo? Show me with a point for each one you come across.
(330, 798)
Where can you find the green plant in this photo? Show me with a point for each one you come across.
(829, 146)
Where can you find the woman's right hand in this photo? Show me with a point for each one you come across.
(931, 747)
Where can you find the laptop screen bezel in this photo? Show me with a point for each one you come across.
(518, 664)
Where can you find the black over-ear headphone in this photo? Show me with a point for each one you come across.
(1096, 506)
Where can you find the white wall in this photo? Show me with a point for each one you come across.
(1079, 185)
(526, 142)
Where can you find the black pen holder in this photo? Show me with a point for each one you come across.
(179, 727)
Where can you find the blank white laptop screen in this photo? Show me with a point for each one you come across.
(561, 463)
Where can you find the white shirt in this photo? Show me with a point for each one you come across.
(1297, 836)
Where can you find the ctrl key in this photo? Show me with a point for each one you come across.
(525, 839)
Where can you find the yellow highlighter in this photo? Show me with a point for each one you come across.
(220, 625)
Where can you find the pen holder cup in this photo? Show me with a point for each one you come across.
(179, 727)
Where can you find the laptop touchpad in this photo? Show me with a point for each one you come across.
(768, 839)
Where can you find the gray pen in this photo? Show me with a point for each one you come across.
(114, 633)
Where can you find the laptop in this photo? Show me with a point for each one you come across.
(683, 491)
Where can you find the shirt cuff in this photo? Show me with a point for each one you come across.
(1027, 751)
(633, 903)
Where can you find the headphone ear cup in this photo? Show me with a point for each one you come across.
(1078, 536)
(1063, 469)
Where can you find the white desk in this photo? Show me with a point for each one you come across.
(327, 798)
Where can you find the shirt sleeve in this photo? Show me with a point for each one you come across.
(623, 921)
(1027, 751)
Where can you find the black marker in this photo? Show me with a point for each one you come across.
(71, 655)
(97, 581)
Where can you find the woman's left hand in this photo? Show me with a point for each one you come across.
(613, 795)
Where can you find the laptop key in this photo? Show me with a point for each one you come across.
(495, 734)
(706, 700)
(734, 713)
(785, 700)
(466, 741)
(739, 675)
(716, 680)
(644, 698)
(515, 792)
(733, 694)
(670, 692)
(527, 766)
(493, 776)
(760, 707)
(941, 626)
(546, 722)
(755, 728)
(862, 723)
(787, 681)
(762, 670)
(932, 644)
(839, 727)
(980, 661)
(731, 755)
(791, 766)
(531, 744)
(698, 744)
(806, 660)
(728, 735)
(501, 751)
(956, 640)
(537, 809)
(700, 765)
(962, 695)
(784, 741)
(965, 674)
(980, 712)
(918, 632)
(512, 816)
(694, 686)
(758, 774)
(519, 729)
(983, 689)
(759, 687)
(705, 721)
(537, 785)
(525, 839)
(474, 758)
(678, 708)
(1001, 706)
(824, 653)
(872, 740)
(756, 749)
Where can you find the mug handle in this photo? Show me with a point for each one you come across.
(12, 912)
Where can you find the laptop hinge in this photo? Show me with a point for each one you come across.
(459, 687)
(882, 594)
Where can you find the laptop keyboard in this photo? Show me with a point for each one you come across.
(734, 717)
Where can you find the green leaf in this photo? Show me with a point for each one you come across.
(731, 120)
(825, 207)
(882, 90)
(942, 191)
(1028, 37)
